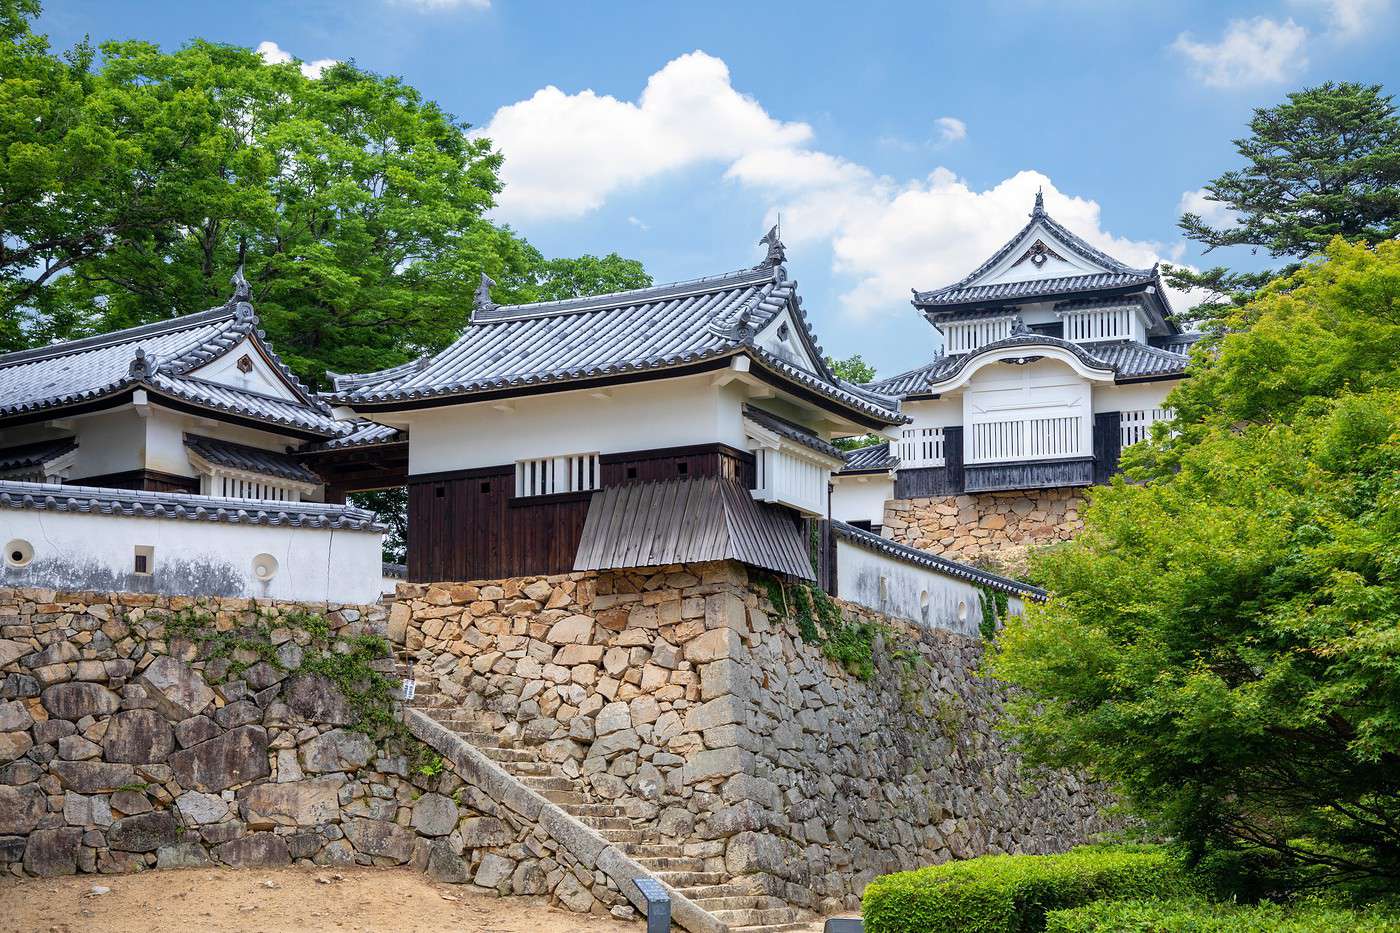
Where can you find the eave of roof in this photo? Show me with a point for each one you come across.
(872, 458)
(793, 432)
(248, 459)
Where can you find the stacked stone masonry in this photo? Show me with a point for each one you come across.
(122, 749)
(679, 715)
(994, 529)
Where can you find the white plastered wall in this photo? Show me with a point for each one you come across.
(861, 497)
(83, 551)
(637, 416)
(906, 590)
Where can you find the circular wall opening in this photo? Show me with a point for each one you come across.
(18, 553)
(264, 567)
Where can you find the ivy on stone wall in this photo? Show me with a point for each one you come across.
(994, 606)
(350, 662)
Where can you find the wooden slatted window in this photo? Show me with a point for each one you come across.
(920, 447)
(1092, 324)
(1137, 425)
(966, 336)
(1027, 439)
(545, 476)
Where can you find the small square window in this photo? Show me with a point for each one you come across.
(631, 472)
(682, 469)
(440, 492)
(144, 563)
(485, 487)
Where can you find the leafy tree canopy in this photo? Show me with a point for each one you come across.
(1325, 163)
(131, 190)
(1224, 642)
(853, 368)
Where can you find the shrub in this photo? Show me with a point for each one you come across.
(1012, 893)
(1148, 916)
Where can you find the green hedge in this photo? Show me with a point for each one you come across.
(1141, 916)
(1012, 893)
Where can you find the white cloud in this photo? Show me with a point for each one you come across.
(1215, 213)
(565, 153)
(1254, 51)
(1349, 19)
(434, 5)
(274, 54)
(638, 223)
(886, 235)
(950, 129)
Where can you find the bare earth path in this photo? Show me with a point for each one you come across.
(277, 901)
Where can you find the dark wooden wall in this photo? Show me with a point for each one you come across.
(1108, 445)
(928, 482)
(469, 525)
(147, 480)
(1045, 474)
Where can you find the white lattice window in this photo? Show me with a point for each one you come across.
(239, 485)
(1027, 439)
(1089, 324)
(966, 336)
(920, 447)
(786, 475)
(1137, 425)
(545, 476)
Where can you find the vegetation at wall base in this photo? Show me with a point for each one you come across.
(1197, 916)
(1014, 893)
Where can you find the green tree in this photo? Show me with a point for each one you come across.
(357, 205)
(1223, 645)
(855, 369)
(1325, 163)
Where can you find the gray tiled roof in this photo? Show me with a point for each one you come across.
(876, 542)
(665, 326)
(178, 506)
(793, 432)
(364, 434)
(1127, 359)
(1176, 343)
(250, 459)
(27, 456)
(873, 458)
(158, 357)
(1116, 275)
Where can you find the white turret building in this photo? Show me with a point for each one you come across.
(1054, 357)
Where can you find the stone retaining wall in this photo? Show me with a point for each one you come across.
(124, 746)
(993, 529)
(683, 697)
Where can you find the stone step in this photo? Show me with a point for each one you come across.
(653, 849)
(772, 928)
(748, 918)
(663, 863)
(626, 838)
(512, 756)
(563, 797)
(689, 879)
(590, 811)
(736, 901)
(546, 782)
(718, 890)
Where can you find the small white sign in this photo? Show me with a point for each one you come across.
(410, 687)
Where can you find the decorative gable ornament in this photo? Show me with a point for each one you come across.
(1038, 254)
(245, 363)
(143, 365)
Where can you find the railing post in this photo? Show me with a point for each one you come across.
(658, 904)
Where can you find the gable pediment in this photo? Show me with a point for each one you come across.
(245, 367)
(1039, 254)
(781, 337)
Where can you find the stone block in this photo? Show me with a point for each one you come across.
(194, 730)
(237, 756)
(304, 803)
(21, 809)
(197, 809)
(14, 717)
(571, 630)
(177, 690)
(255, 850)
(13, 745)
(434, 815)
(337, 750)
(52, 852)
(73, 701)
(494, 870)
(315, 698)
(144, 833)
(485, 832)
(93, 777)
(182, 855)
(714, 645)
(380, 837)
(138, 736)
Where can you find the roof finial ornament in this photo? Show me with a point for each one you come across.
(142, 366)
(1039, 210)
(777, 253)
(1018, 326)
(482, 300)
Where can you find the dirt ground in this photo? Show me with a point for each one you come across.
(284, 900)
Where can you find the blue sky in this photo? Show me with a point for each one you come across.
(901, 142)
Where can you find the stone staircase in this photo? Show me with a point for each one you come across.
(734, 905)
